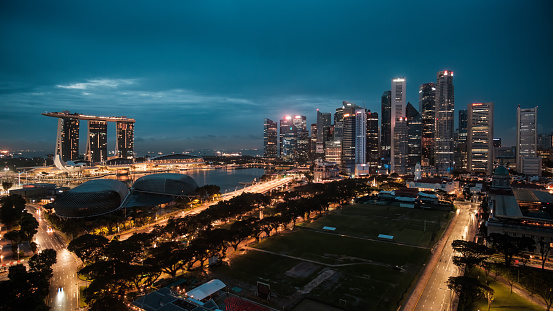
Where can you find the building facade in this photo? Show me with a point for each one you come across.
(397, 111)
(270, 139)
(480, 138)
(427, 109)
(445, 123)
(124, 147)
(527, 135)
(67, 139)
(414, 137)
(97, 141)
(373, 142)
(354, 137)
(385, 127)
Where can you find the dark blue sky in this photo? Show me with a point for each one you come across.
(204, 74)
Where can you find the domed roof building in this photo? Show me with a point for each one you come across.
(93, 198)
(161, 188)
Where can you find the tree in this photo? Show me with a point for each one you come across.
(510, 246)
(168, 256)
(29, 226)
(43, 262)
(88, 247)
(545, 248)
(24, 290)
(540, 283)
(6, 185)
(468, 289)
(471, 253)
(11, 210)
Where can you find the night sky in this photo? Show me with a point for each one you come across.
(204, 74)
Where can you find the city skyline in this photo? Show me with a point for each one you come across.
(205, 75)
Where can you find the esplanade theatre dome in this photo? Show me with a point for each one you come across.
(166, 184)
(161, 188)
(93, 198)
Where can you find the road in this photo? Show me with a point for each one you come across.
(435, 293)
(64, 283)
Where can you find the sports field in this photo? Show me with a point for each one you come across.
(350, 269)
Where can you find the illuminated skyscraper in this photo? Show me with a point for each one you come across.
(354, 137)
(97, 141)
(480, 138)
(270, 139)
(461, 146)
(414, 137)
(397, 111)
(527, 140)
(373, 142)
(401, 146)
(386, 123)
(302, 148)
(323, 132)
(445, 123)
(427, 109)
(124, 147)
(67, 139)
(288, 139)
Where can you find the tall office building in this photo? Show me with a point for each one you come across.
(313, 142)
(480, 138)
(288, 139)
(302, 152)
(414, 137)
(427, 109)
(124, 147)
(445, 123)
(527, 141)
(373, 142)
(461, 147)
(397, 111)
(401, 146)
(323, 131)
(97, 142)
(385, 127)
(67, 139)
(354, 137)
(270, 138)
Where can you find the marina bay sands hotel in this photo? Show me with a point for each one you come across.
(67, 140)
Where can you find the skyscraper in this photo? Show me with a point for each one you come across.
(288, 139)
(527, 139)
(124, 147)
(313, 141)
(427, 109)
(270, 138)
(414, 137)
(401, 146)
(373, 144)
(397, 111)
(461, 142)
(480, 138)
(67, 139)
(97, 141)
(302, 152)
(354, 137)
(445, 123)
(385, 127)
(323, 129)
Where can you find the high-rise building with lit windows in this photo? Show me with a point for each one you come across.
(124, 147)
(67, 140)
(288, 139)
(461, 146)
(445, 123)
(397, 111)
(302, 148)
(414, 137)
(373, 142)
(385, 127)
(354, 137)
(323, 132)
(270, 138)
(97, 141)
(480, 138)
(527, 141)
(427, 109)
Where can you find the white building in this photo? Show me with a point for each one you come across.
(527, 134)
(480, 138)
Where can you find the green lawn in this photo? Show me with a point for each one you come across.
(503, 298)
(369, 282)
(407, 225)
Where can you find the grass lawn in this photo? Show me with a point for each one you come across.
(407, 225)
(504, 299)
(363, 272)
